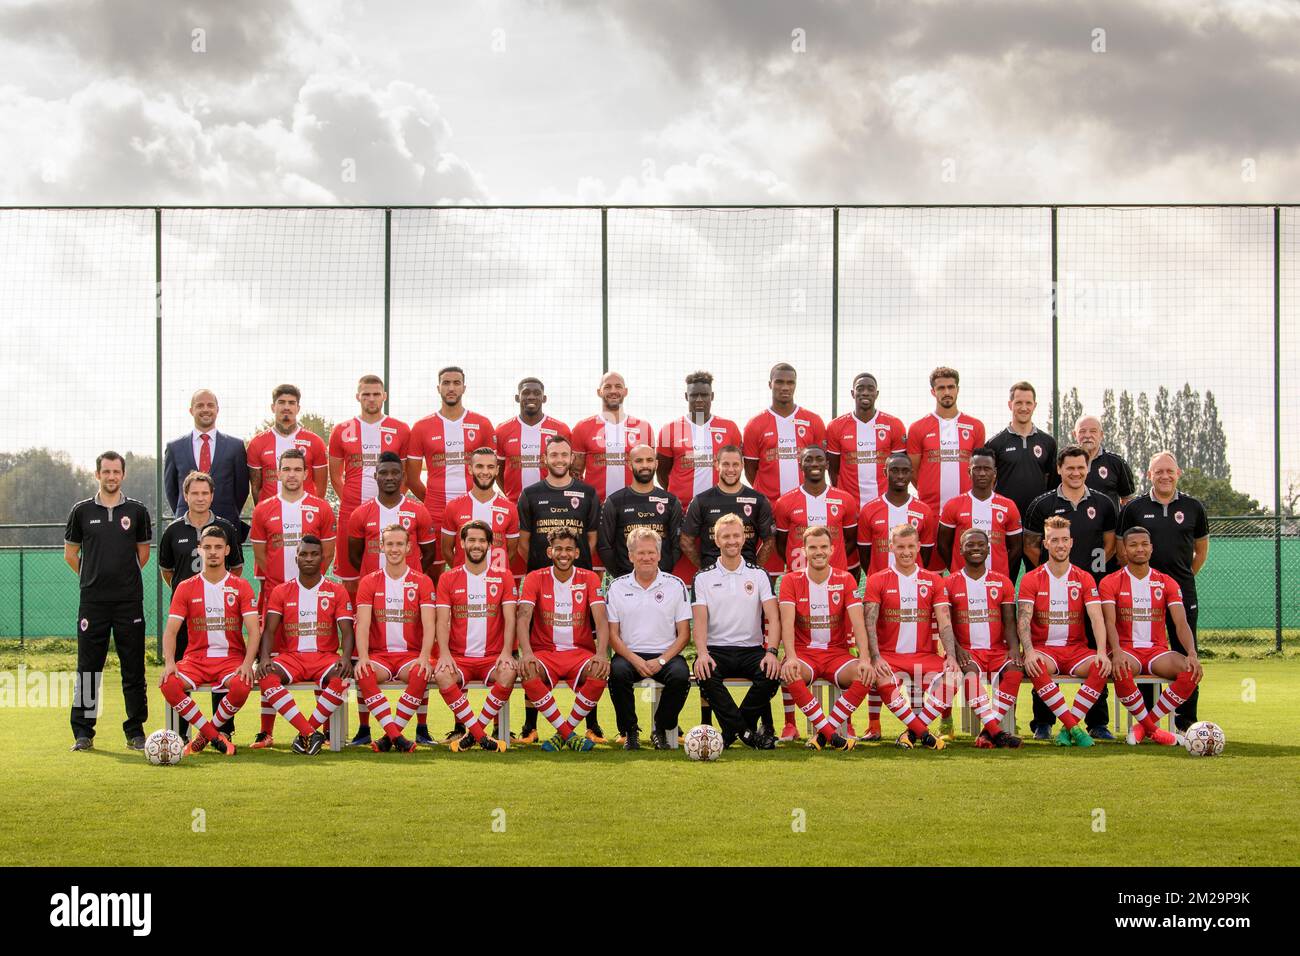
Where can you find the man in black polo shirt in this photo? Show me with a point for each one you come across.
(179, 558)
(106, 543)
(728, 497)
(639, 505)
(1107, 472)
(1092, 520)
(1025, 456)
(557, 501)
(1180, 539)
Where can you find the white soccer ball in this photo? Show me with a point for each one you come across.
(702, 743)
(163, 748)
(1204, 739)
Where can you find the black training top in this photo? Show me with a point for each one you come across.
(110, 567)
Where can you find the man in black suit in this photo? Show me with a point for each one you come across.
(206, 449)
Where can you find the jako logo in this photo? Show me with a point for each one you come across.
(103, 909)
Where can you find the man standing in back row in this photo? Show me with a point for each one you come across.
(860, 442)
(1025, 455)
(442, 442)
(940, 444)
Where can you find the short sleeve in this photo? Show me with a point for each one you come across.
(276, 601)
(594, 596)
(664, 447)
(833, 439)
(444, 591)
(1108, 590)
(328, 522)
(1125, 485)
(899, 442)
(179, 604)
(1028, 589)
(72, 533)
(1110, 520)
(611, 606)
(873, 594)
(529, 593)
(336, 449)
(764, 587)
(143, 526)
(1201, 529)
(247, 605)
(167, 553)
(1033, 517)
(1090, 595)
(257, 533)
(787, 589)
(750, 439)
(424, 526)
(763, 517)
(691, 523)
(948, 516)
(525, 511)
(1173, 593)
(1013, 518)
(683, 606)
(940, 593)
(914, 441)
(425, 590)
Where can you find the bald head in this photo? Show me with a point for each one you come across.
(203, 409)
(643, 460)
(612, 391)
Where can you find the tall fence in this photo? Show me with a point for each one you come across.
(114, 316)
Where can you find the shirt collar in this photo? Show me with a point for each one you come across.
(194, 435)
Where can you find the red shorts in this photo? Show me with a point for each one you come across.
(564, 665)
(1145, 656)
(217, 671)
(915, 666)
(393, 663)
(990, 660)
(306, 666)
(826, 663)
(474, 668)
(1067, 657)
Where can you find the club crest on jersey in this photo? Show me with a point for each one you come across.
(923, 589)
(126, 522)
(1038, 451)
(578, 597)
(1178, 517)
(410, 593)
(965, 431)
(882, 434)
(718, 437)
(749, 587)
(835, 597)
(388, 439)
(914, 521)
(802, 431)
(993, 594)
(492, 590)
(1092, 512)
(470, 432)
(660, 507)
(749, 510)
(659, 597)
(324, 604)
(84, 624)
(406, 521)
(1074, 593)
(835, 510)
(1103, 472)
(230, 600)
(575, 501)
(1157, 592)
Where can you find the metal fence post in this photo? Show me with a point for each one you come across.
(1056, 365)
(1277, 425)
(22, 600)
(835, 311)
(158, 442)
(388, 300)
(604, 289)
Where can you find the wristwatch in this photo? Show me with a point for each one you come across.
(770, 650)
(662, 662)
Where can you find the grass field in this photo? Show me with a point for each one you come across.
(876, 805)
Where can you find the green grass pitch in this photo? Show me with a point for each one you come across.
(1110, 805)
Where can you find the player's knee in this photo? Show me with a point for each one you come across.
(172, 686)
(444, 679)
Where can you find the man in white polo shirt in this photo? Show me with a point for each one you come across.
(649, 613)
(737, 634)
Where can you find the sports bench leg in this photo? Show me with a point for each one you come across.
(171, 719)
(339, 723)
(503, 723)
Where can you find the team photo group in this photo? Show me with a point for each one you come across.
(911, 568)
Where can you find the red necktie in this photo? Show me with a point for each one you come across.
(205, 455)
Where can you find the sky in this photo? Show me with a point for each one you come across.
(676, 101)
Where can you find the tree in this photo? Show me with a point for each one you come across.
(41, 486)
(1124, 426)
(1109, 425)
(1071, 409)
(1185, 413)
(1217, 494)
(141, 481)
(1213, 441)
(1162, 420)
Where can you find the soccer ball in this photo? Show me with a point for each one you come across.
(1204, 739)
(163, 748)
(702, 743)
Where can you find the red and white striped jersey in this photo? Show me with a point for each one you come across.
(977, 608)
(498, 512)
(833, 509)
(607, 448)
(863, 448)
(359, 444)
(907, 603)
(877, 517)
(369, 521)
(1059, 605)
(280, 525)
(476, 602)
(265, 449)
(521, 450)
(694, 452)
(310, 616)
(444, 446)
(944, 445)
(775, 442)
(213, 615)
(561, 609)
(821, 617)
(395, 603)
(1140, 605)
(998, 517)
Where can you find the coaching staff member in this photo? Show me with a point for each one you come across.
(179, 558)
(734, 609)
(107, 544)
(1025, 456)
(205, 449)
(639, 505)
(728, 497)
(1180, 539)
(649, 624)
(1092, 520)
